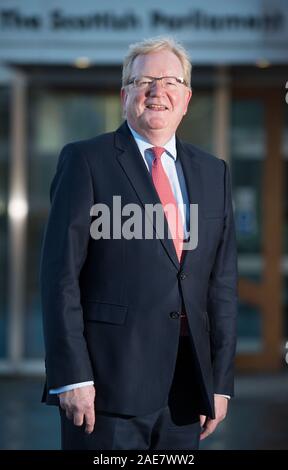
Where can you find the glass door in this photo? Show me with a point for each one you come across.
(257, 178)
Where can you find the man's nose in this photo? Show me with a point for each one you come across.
(156, 88)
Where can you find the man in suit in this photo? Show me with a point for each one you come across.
(140, 331)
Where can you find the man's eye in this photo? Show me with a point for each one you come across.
(170, 83)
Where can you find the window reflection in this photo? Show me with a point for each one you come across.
(4, 155)
(56, 118)
(247, 156)
(192, 128)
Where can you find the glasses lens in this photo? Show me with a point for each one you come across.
(143, 82)
(169, 82)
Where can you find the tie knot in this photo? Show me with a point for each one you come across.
(157, 152)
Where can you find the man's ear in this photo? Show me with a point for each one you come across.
(123, 97)
(188, 98)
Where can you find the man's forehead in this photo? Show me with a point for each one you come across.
(168, 61)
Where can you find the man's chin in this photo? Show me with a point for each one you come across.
(156, 124)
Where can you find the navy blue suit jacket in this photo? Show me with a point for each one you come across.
(109, 305)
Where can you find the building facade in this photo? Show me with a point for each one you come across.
(60, 76)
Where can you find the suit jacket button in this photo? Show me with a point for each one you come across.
(175, 315)
(182, 276)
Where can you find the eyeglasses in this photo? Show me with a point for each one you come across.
(169, 83)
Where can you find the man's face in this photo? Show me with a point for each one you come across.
(156, 111)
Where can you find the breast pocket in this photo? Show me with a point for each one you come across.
(105, 312)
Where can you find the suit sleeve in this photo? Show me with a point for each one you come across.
(222, 300)
(63, 255)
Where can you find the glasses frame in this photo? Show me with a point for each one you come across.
(133, 80)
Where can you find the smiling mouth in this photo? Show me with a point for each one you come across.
(156, 107)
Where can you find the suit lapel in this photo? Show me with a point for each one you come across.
(192, 175)
(132, 163)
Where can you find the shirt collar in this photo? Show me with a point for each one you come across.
(143, 144)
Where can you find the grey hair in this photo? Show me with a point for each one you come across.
(148, 46)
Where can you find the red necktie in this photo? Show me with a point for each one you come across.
(166, 196)
(174, 218)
